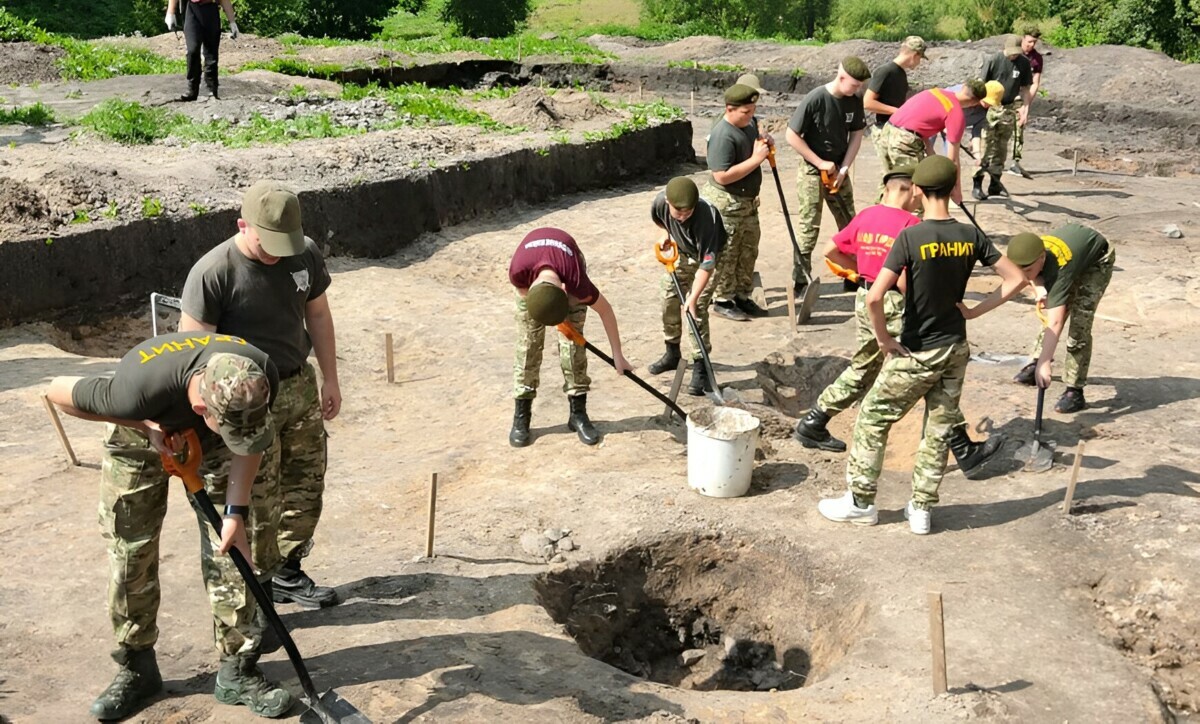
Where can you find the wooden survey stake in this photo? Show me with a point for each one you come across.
(432, 516)
(1066, 509)
(937, 641)
(391, 357)
(62, 434)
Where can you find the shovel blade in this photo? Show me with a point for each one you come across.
(811, 293)
(333, 709)
(1036, 458)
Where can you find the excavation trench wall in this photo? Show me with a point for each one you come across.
(101, 269)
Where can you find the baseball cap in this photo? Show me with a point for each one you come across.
(935, 172)
(1012, 45)
(1025, 248)
(740, 95)
(682, 192)
(904, 170)
(855, 67)
(274, 211)
(238, 394)
(546, 303)
(752, 81)
(995, 94)
(916, 44)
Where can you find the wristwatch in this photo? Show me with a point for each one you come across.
(242, 510)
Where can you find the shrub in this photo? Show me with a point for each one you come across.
(351, 19)
(31, 115)
(1172, 26)
(13, 29)
(886, 20)
(130, 122)
(486, 18)
(797, 19)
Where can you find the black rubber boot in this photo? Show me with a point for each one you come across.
(811, 432)
(995, 188)
(977, 189)
(748, 305)
(669, 360)
(212, 90)
(579, 423)
(191, 95)
(700, 382)
(1071, 401)
(136, 682)
(972, 456)
(293, 585)
(1027, 375)
(519, 435)
(240, 681)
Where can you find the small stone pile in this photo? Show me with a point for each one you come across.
(549, 544)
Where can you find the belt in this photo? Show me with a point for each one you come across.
(902, 128)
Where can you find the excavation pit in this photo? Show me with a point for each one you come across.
(708, 613)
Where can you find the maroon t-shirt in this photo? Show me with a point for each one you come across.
(549, 248)
(1035, 61)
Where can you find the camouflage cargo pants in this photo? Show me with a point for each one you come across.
(1018, 135)
(936, 375)
(735, 266)
(300, 455)
(896, 146)
(812, 193)
(855, 380)
(531, 340)
(1081, 310)
(672, 312)
(133, 501)
(997, 134)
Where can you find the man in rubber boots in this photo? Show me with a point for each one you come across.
(887, 90)
(222, 387)
(826, 130)
(550, 276)
(930, 360)
(1070, 269)
(908, 136)
(267, 285)
(697, 230)
(736, 151)
(1029, 43)
(860, 250)
(1011, 69)
(201, 28)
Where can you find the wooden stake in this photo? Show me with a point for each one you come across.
(639, 89)
(432, 516)
(62, 434)
(1074, 478)
(391, 361)
(693, 104)
(676, 384)
(791, 306)
(937, 641)
(1075, 165)
(520, 41)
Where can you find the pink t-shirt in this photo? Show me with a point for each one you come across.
(869, 236)
(926, 115)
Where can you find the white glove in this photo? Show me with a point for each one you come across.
(233, 31)
(170, 21)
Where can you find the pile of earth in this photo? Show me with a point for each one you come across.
(537, 109)
(29, 63)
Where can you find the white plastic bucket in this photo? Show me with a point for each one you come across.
(721, 445)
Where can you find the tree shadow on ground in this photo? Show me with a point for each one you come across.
(1134, 395)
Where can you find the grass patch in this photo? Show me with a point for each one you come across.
(260, 129)
(130, 122)
(418, 104)
(708, 67)
(31, 115)
(97, 61)
(509, 48)
(151, 207)
(642, 115)
(80, 216)
(293, 66)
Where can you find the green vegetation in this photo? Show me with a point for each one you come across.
(719, 67)
(485, 18)
(198, 209)
(642, 115)
(151, 207)
(80, 216)
(130, 122)
(291, 66)
(31, 115)
(1172, 26)
(110, 211)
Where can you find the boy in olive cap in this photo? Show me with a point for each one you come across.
(930, 360)
(697, 229)
(826, 130)
(550, 276)
(736, 151)
(267, 284)
(1011, 69)
(1070, 269)
(222, 387)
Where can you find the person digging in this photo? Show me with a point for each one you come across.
(201, 29)
(696, 228)
(222, 387)
(550, 276)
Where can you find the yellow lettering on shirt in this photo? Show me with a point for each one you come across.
(163, 349)
(146, 357)
(947, 248)
(189, 343)
(1058, 248)
(202, 341)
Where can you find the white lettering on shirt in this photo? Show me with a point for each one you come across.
(539, 243)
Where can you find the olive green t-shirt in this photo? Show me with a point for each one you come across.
(1070, 251)
(825, 123)
(262, 303)
(728, 146)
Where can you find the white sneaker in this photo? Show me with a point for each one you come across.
(918, 520)
(843, 510)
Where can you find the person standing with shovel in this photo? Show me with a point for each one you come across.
(202, 29)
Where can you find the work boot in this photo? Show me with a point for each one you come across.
(971, 455)
(849, 286)
(579, 423)
(519, 435)
(135, 683)
(729, 310)
(1027, 375)
(977, 189)
(240, 681)
(669, 360)
(212, 90)
(747, 305)
(1071, 401)
(995, 188)
(293, 585)
(191, 95)
(811, 432)
(700, 382)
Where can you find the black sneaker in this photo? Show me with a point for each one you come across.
(747, 305)
(995, 188)
(293, 585)
(1071, 401)
(729, 310)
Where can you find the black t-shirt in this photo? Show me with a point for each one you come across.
(890, 83)
(939, 256)
(701, 237)
(150, 382)
(728, 146)
(1012, 74)
(825, 123)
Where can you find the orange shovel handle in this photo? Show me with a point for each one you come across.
(841, 271)
(188, 468)
(568, 331)
(830, 182)
(667, 255)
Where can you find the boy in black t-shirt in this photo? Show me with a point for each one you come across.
(930, 360)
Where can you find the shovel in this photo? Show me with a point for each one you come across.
(669, 256)
(327, 708)
(573, 334)
(813, 290)
(1038, 456)
(972, 218)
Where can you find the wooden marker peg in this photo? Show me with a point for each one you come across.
(62, 434)
(432, 516)
(1066, 509)
(1075, 165)
(391, 357)
(693, 104)
(937, 641)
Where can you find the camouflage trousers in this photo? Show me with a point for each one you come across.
(1018, 135)
(936, 375)
(672, 312)
(299, 456)
(1081, 310)
(734, 275)
(855, 380)
(531, 340)
(896, 146)
(812, 193)
(133, 502)
(997, 134)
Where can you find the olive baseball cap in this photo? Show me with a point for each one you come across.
(740, 95)
(856, 68)
(752, 81)
(916, 44)
(1025, 248)
(904, 170)
(995, 94)
(238, 394)
(547, 303)
(682, 193)
(274, 211)
(1012, 45)
(935, 172)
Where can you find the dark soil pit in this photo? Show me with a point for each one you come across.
(793, 378)
(707, 612)
(109, 337)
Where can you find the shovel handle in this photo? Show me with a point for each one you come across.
(575, 336)
(829, 182)
(187, 467)
(667, 254)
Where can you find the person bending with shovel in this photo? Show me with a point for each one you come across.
(222, 387)
(550, 275)
(695, 226)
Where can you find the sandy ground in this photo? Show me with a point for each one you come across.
(1049, 618)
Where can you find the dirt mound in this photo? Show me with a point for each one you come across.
(29, 63)
(20, 204)
(535, 109)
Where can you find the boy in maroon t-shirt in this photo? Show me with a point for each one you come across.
(550, 276)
